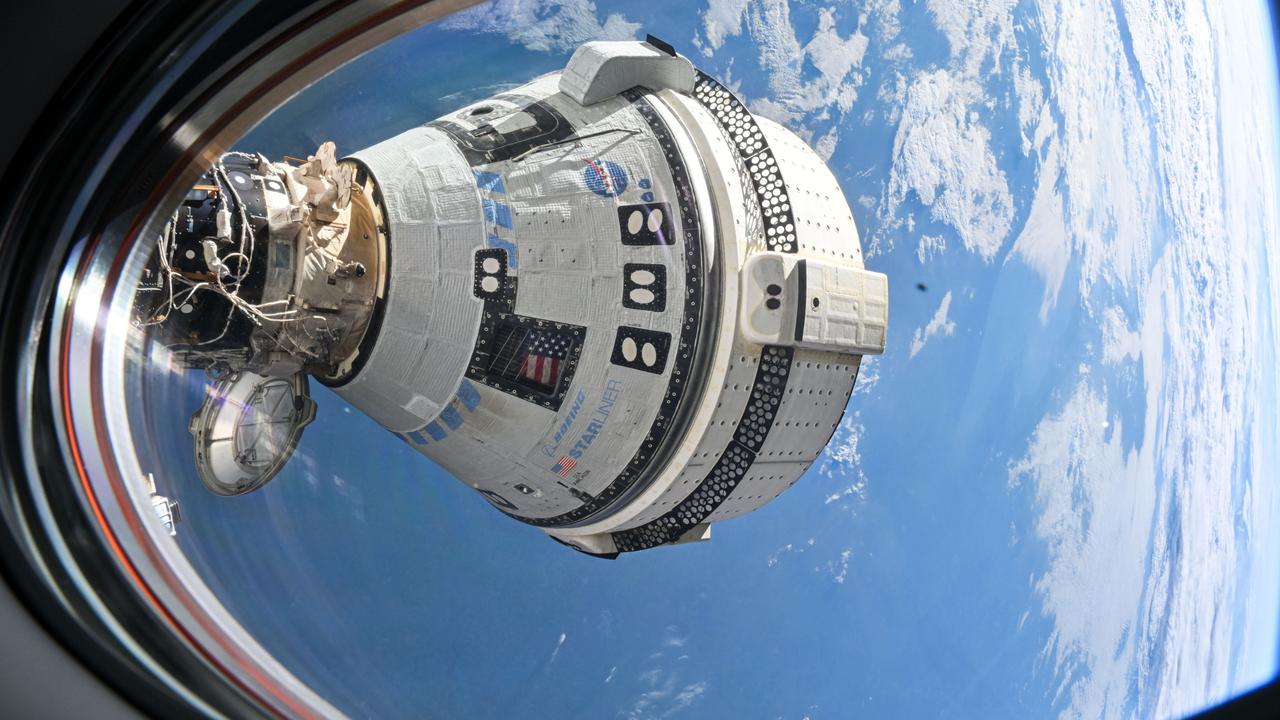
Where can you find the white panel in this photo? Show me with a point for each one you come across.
(840, 307)
(818, 388)
(824, 221)
(570, 255)
(599, 70)
(556, 296)
(770, 292)
(733, 396)
(430, 318)
(845, 309)
(568, 243)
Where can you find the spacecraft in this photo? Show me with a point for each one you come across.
(613, 301)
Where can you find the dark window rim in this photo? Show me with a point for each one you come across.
(165, 88)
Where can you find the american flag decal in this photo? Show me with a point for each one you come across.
(546, 353)
(526, 357)
(564, 466)
(540, 368)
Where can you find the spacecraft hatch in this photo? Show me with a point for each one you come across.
(613, 301)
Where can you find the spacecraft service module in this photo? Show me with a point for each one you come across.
(613, 301)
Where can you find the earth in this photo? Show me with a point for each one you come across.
(1049, 497)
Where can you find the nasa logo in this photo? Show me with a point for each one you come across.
(604, 178)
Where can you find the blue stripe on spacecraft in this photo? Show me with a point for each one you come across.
(510, 247)
(434, 430)
(490, 181)
(451, 417)
(497, 213)
(469, 396)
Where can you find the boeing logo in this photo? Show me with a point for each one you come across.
(550, 448)
(607, 401)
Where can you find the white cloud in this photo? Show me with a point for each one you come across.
(834, 56)
(868, 375)
(1152, 193)
(942, 152)
(1144, 555)
(1119, 343)
(663, 692)
(787, 549)
(544, 25)
(665, 696)
(976, 31)
(841, 458)
(840, 568)
(687, 696)
(1044, 242)
(722, 19)
(1253, 222)
(929, 246)
(942, 155)
(1122, 132)
(1030, 99)
(940, 323)
(782, 57)
(858, 489)
(826, 145)
(797, 99)
(1098, 188)
(1094, 508)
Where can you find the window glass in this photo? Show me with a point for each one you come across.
(1054, 494)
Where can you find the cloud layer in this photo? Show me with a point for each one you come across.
(544, 25)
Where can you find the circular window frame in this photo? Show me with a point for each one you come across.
(164, 91)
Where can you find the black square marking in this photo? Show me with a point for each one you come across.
(640, 295)
(641, 349)
(529, 358)
(646, 224)
(489, 281)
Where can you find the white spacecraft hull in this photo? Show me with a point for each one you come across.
(579, 204)
(613, 301)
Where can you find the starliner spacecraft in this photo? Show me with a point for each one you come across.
(613, 301)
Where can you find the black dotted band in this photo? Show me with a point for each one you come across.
(732, 465)
(773, 207)
(753, 151)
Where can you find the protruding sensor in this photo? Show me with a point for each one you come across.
(606, 300)
(789, 299)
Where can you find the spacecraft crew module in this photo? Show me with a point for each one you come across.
(613, 301)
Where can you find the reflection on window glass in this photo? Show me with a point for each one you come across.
(264, 423)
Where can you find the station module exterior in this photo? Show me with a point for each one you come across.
(613, 301)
